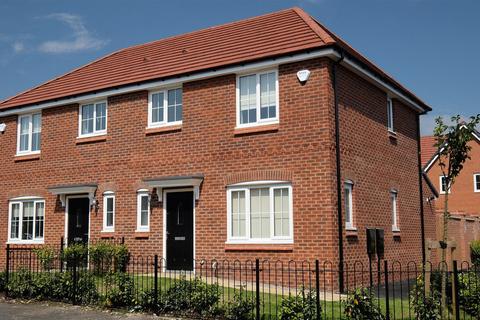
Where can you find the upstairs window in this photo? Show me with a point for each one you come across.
(476, 182)
(93, 119)
(390, 115)
(26, 221)
(348, 194)
(29, 133)
(260, 213)
(443, 185)
(165, 108)
(108, 211)
(257, 99)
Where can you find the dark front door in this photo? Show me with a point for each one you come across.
(180, 230)
(78, 215)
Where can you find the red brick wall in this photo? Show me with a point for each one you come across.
(302, 149)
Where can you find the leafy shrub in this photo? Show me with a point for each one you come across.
(74, 253)
(2, 281)
(20, 284)
(146, 301)
(104, 256)
(86, 291)
(46, 256)
(120, 290)
(192, 296)
(241, 307)
(475, 252)
(469, 293)
(299, 307)
(436, 284)
(425, 306)
(361, 305)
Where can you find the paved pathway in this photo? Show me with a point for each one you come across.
(10, 310)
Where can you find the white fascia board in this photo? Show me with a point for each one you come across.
(328, 52)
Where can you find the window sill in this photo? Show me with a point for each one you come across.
(163, 129)
(107, 234)
(258, 247)
(392, 134)
(256, 129)
(27, 157)
(351, 232)
(92, 139)
(25, 242)
(396, 233)
(142, 234)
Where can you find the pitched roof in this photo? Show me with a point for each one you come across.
(275, 34)
(427, 145)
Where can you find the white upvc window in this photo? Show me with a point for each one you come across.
(143, 211)
(165, 108)
(26, 221)
(443, 185)
(29, 133)
(394, 207)
(476, 182)
(108, 211)
(348, 200)
(92, 119)
(390, 115)
(260, 212)
(257, 99)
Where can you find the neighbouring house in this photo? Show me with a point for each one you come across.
(268, 137)
(463, 199)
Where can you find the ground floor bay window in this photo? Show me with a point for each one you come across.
(26, 221)
(260, 213)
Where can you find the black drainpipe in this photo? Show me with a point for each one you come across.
(339, 177)
(420, 180)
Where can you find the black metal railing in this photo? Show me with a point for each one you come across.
(251, 289)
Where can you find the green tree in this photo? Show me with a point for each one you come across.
(451, 141)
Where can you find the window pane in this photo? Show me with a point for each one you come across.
(393, 197)
(348, 205)
(248, 99)
(101, 116)
(157, 107)
(36, 132)
(15, 220)
(267, 96)
(477, 181)
(238, 214)
(87, 119)
(24, 133)
(281, 212)
(39, 219)
(109, 213)
(174, 105)
(27, 221)
(260, 213)
(144, 211)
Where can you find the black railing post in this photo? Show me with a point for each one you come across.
(455, 289)
(317, 287)
(257, 289)
(60, 258)
(387, 293)
(7, 270)
(74, 280)
(155, 281)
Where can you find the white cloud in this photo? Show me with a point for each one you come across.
(81, 40)
(18, 46)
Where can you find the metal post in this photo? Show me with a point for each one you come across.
(387, 293)
(317, 287)
(60, 258)
(455, 289)
(7, 270)
(75, 280)
(155, 280)
(123, 240)
(257, 289)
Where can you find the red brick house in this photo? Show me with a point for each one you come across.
(464, 196)
(236, 141)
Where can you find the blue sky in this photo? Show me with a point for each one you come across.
(430, 46)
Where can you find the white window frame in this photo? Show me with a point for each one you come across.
(441, 191)
(141, 193)
(165, 122)
(246, 186)
(390, 115)
(394, 210)
(20, 201)
(95, 131)
(475, 175)
(30, 133)
(349, 225)
(108, 195)
(259, 121)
